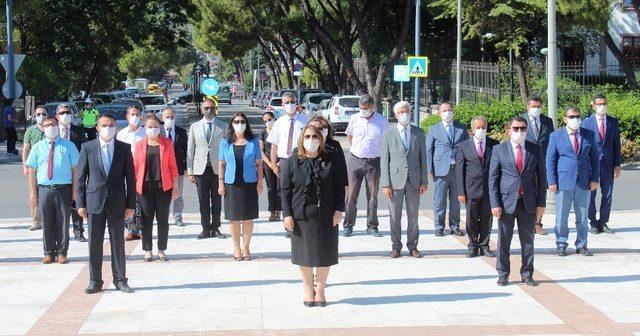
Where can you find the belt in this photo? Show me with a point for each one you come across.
(366, 159)
(54, 186)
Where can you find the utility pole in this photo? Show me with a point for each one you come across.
(11, 79)
(416, 108)
(459, 53)
(552, 72)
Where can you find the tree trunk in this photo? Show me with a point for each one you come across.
(273, 62)
(522, 78)
(288, 70)
(627, 67)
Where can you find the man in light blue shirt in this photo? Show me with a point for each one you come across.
(52, 166)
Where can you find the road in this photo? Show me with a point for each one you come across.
(14, 193)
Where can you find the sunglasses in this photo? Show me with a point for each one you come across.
(574, 117)
(237, 122)
(516, 129)
(64, 112)
(311, 136)
(209, 109)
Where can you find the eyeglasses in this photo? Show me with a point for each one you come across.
(209, 108)
(521, 129)
(239, 122)
(574, 117)
(311, 136)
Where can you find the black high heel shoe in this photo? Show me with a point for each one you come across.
(310, 303)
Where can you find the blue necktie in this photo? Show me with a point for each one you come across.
(450, 131)
(405, 139)
(107, 158)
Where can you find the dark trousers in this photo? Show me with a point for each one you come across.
(606, 197)
(479, 222)
(526, 232)
(209, 199)
(12, 137)
(54, 205)
(96, 225)
(273, 189)
(155, 203)
(90, 132)
(76, 220)
(369, 170)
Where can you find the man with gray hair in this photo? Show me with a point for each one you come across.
(365, 131)
(178, 136)
(472, 175)
(404, 177)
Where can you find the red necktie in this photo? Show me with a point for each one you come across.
(50, 163)
(480, 154)
(290, 139)
(519, 165)
(576, 145)
(601, 128)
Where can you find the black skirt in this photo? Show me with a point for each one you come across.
(314, 242)
(241, 201)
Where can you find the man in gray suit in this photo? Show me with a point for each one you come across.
(202, 167)
(443, 140)
(403, 165)
(517, 190)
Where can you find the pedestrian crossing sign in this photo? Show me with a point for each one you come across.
(418, 66)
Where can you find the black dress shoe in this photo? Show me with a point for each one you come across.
(606, 229)
(288, 234)
(457, 232)
(347, 232)
(440, 233)
(218, 234)
(529, 281)
(81, 238)
(415, 253)
(395, 254)
(503, 281)
(561, 252)
(374, 232)
(473, 252)
(584, 251)
(93, 288)
(595, 230)
(123, 287)
(204, 235)
(309, 303)
(486, 251)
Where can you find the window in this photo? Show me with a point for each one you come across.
(631, 49)
(627, 4)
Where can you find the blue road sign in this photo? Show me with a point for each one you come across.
(400, 73)
(209, 87)
(418, 66)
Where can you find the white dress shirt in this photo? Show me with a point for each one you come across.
(534, 123)
(366, 133)
(131, 137)
(483, 145)
(65, 131)
(279, 134)
(515, 153)
(401, 130)
(170, 133)
(106, 153)
(572, 138)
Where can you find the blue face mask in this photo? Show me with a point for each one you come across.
(404, 119)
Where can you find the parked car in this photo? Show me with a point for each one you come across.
(275, 106)
(340, 110)
(224, 95)
(51, 110)
(133, 102)
(267, 98)
(324, 105)
(311, 100)
(154, 103)
(132, 91)
(283, 91)
(181, 98)
(106, 97)
(300, 93)
(79, 102)
(118, 110)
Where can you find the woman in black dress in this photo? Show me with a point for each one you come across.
(331, 145)
(275, 206)
(240, 167)
(312, 205)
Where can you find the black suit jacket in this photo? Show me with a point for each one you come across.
(95, 186)
(77, 136)
(546, 128)
(294, 176)
(471, 172)
(180, 148)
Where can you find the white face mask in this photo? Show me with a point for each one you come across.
(574, 124)
(270, 123)
(64, 119)
(51, 132)
(311, 145)
(404, 119)
(152, 132)
(325, 133)
(169, 123)
(39, 119)
(290, 108)
(366, 113)
(480, 133)
(239, 128)
(134, 121)
(534, 112)
(446, 116)
(518, 137)
(601, 109)
(107, 133)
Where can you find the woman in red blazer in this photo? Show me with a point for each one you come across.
(156, 176)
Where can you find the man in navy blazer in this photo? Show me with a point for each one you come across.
(539, 128)
(607, 135)
(106, 193)
(517, 190)
(443, 140)
(573, 171)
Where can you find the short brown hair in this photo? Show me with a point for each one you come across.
(303, 152)
(324, 121)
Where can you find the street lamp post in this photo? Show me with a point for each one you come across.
(416, 108)
(552, 92)
(11, 79)
(459, 53)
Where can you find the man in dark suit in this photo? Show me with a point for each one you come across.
(517, 191)
(607, 134)
(75, 134)
(472, 171)
(539, 128)
(106, 193)
(178, 136)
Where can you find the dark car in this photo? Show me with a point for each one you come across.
(107, 97)
(118, 110)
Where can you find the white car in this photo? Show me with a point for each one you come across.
(340, 110)
(311, 101)
(154, 103)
